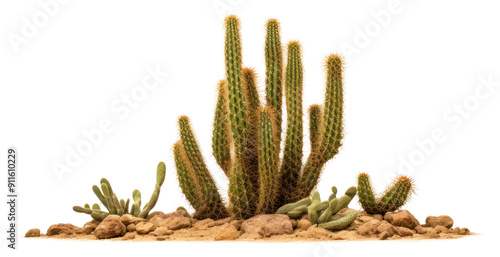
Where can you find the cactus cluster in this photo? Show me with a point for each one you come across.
(120, 207)
(246, 138)
(395, 196)
(324, 213)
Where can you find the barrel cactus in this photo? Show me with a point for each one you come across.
(246, 140)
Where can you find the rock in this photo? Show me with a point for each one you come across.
(162, 231)
(129, 219)
(404, 231)
(236, 223)
(369, 228)
(268, 224)
(303, 224)
(345, 235)
(155, 213)
(110, 227)
(456, 230)
(386, 229)
(464, 231)
(131, 227)
(318, 232)
(294, 223)
(421, 230)
(162, 238)
(34, 232)
(354, 225)
(365, 218)
(227, 232)
(378, 217)
(402, 219)
(90, 226)
(144, 227)
(223, 221)
(441, 229)
(204, 224)
(443, 220)
(63, 229)
(396, 236)
(172, 222)
(129, 236)
(432, 233)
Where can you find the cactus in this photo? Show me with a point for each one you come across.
(392, 199)
(120, 207)
(327, 214)
(246, 138)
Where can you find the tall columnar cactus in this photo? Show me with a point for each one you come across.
(246, 139)
(120, 207)
(392, 199)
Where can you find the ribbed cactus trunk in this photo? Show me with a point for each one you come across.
(292, 156)
(246, 140)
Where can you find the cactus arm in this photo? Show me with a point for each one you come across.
(340, 222)
(397, 194)
(274, 74)
(297, 212)
(315, 126)
(334, 193)
(127, 205)
(82, 209)
(95, 206)
(221, 134)
(365, 194)
(185, 176)
(102, 198)
(290, 206)
(160, 178)
(292, 156)
(268, 162)
(238, 193)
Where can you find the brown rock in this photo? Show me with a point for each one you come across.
(403, 231)
(345, 235)
(162, 231)
(369, 228)
(365, 218)
(129, 235)
(456, 230)
(318, 232)
(386, 230)
(227, 232)
(34, 232)
(464, 231)
(236, 223)
(63, 229)
(155, 213)
(110, 227)
(172, 222)
(443, 220)
(294, 223)
(402, 219)
(378, 217)
(131, 227)
(90, 226)
(223, 221)
(204, 224)
(162, 238)
(432, 233)
(268, 224)
(442, 229)
(129, 219)
(303, 224)
(420, 229)
(354, 225)
(144, 227)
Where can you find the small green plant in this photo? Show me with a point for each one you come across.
(120, 207)
(246, 138)
(395, 196)
(324, 213)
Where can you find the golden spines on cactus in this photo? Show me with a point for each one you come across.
(395, 196)
(238, 193)
(292, 156)
(274, 73)
(268, 161)
(201, 173)
(331, 133)
(315, 126)
(221, 136)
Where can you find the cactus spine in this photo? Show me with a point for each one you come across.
(120, 207)
(247, 135)
(392, 199)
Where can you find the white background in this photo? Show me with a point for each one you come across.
(408, 76)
